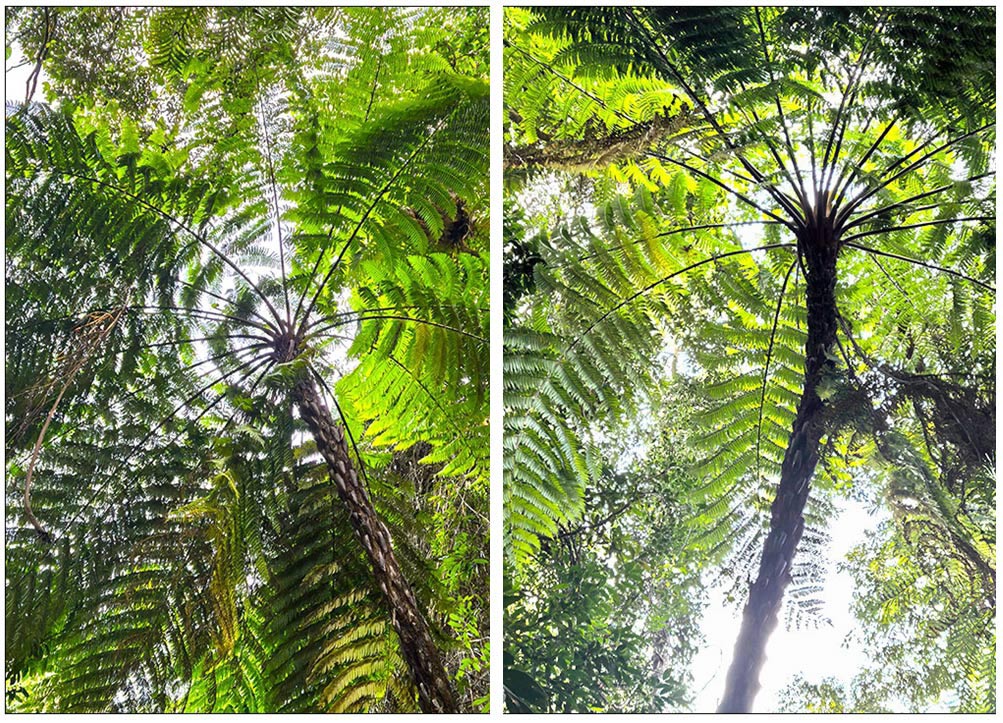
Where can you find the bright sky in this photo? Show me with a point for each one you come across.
(814, 653)
(14, 80)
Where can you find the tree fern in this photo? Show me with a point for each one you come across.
(817, 205)
(251, 232)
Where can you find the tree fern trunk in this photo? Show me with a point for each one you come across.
(420, 652)
(787, 512)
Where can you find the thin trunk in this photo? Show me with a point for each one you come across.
(787, 513)
(420, 652)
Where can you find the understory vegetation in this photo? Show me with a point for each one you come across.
(749, 279)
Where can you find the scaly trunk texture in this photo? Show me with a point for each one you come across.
(596, 151)
(759, 618)
(420, 652)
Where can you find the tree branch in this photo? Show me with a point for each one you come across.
(936, 222)
(365, 216)
(871, 213)
(863, 196)
(726, 187)
(917, 262)
(254, 364)
(664, 279)
(766, 368)
(184, 227)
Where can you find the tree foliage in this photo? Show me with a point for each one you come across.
(214, 209)
(802, 200)
(603, 616)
